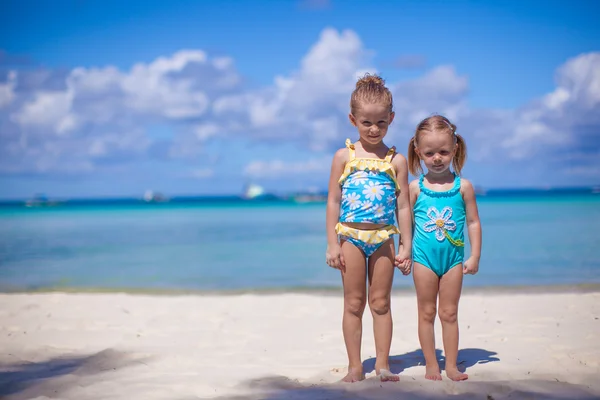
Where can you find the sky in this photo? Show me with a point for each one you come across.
(110, 98)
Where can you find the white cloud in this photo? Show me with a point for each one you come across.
(90, 117)
(105, 112)
(202, 173)
(7, 93)
(297, 105)
(48, 110)
(278, 168)
(556, 119)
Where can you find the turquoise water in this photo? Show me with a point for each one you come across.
(247, 246)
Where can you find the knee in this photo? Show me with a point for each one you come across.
(448, 314)
(354, 305)
(379, 305)
(427, 313)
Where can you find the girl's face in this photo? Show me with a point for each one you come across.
(436, 150)
(372, 121)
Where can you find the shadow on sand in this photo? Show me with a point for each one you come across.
(282, 388)
(25, 380)
(411, 388)
(466, 359)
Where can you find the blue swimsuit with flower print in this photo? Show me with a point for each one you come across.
(438, 239)
(369, 190)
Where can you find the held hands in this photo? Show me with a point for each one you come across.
(404, 259)
(334, 257)
(471, 266)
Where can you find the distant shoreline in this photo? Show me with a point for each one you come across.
(319, 291)
(299, 199)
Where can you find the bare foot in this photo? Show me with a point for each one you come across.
(353, 375)
(386, 376)
(433, 373)
(456, 375)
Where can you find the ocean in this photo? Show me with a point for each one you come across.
(237, 245)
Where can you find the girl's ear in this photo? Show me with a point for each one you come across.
(418, 153)
(352, 119)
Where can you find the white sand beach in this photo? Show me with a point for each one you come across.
(286, 346)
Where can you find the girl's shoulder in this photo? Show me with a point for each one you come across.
(467, 191)
(413, 186)
(341, 154)
(397, 158)
(465, 186)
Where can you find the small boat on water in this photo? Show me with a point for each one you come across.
(154, 197)
(41, 200)
(252, 191)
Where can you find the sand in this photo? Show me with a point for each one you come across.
(286, 346)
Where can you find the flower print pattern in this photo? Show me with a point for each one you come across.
(353, 201)
(379, 210)
(359, 178)
(368, 196)
(373, 190)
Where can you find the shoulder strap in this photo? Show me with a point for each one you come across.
(456, 180)
(350, 147)
(390, 154)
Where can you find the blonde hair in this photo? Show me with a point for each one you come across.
(370, 89)
(441, 124)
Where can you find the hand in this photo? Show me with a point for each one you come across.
(471, 266)
(335, 258)
(404, 259)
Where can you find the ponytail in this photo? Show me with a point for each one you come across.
(460, 157)
(414, 162)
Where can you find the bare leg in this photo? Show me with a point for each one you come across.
(381, 275)
(355, 293)
(450, 288)
(426, 284)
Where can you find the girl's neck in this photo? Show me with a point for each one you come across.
(373, 148)
(444, 177)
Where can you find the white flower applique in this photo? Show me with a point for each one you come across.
(439, 222)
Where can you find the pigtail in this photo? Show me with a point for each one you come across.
(414, 162)
(460, 157)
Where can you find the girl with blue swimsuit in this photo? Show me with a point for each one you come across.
(368, 192)
(443, 203)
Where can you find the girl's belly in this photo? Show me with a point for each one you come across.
(363, 225)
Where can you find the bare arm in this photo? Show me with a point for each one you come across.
(414, 193)
(332, 217)
(473, 226)
(403, 208)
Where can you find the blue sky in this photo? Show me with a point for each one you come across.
(108, 98)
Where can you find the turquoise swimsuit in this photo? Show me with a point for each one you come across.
(438, 241)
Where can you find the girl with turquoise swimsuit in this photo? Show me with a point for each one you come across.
(443, 204)
(368, 192)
